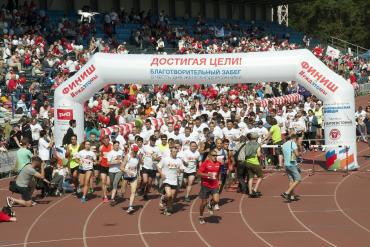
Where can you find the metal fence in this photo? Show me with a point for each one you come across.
(364, 88)
(7, 162)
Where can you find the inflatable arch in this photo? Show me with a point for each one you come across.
(298, 65)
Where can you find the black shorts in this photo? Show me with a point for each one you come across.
(205, 192)
(319, 126)
(186, 175)
(104, 170)
(254, 170)
(278, 150)
(84, 171)
(96, 168)
(25, 192)
(151, 173)
(173, 187)
(129, 179)
(77, 168)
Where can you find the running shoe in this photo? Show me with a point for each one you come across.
(34, 203)
(201, 220)
(83, 199)
(187, 199)
(161, 201)
(216, 207)
(130, 210)
(9, 201)
(210, 208)
(254, 195)
(105, 199)
(286, 197)
(113, 203)
(166, 212)
(91, 190)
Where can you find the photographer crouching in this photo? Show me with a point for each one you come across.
(24, 184)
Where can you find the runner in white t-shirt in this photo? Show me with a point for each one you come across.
(191, 159)
(169, 168)
(115, 158)
(130, 167)
(151, 157)
(87, 159)
(187, 138)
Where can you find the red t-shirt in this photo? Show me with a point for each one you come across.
(4, 217)
(209, 166)
(104, 150)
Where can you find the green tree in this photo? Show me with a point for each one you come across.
(344, 19)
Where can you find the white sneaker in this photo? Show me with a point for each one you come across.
(9, 201)
(130, 210)
(216, 207)
(210, 208)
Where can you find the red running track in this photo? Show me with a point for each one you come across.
(333, 211)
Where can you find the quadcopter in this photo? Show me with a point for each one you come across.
(87, 15)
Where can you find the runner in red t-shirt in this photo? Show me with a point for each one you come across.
(210, 174)
(105, 148)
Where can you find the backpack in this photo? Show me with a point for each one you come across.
(251, 149)
(236, 155)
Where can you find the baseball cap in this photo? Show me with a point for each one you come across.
(135, 148)
(177, 126)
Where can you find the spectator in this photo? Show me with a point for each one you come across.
(70, 132)
(23, 155)
(23, 184)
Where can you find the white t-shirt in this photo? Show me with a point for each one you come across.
(86, 159)
(148, 152)
(170, 168)
(44, 149)
(35, 129)
(192, 159)
(121, 141)
(185, 140)
(145, 134)
(131, 167)
(114, 155)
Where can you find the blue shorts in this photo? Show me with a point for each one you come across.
(293, 173)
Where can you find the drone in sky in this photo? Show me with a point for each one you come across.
(87, 15)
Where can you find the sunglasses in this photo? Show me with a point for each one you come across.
(214, 155)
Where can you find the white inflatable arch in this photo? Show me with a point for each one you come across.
(297, 65)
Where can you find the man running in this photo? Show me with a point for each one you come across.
(191, 159)
(150, 160)
(169, 168)
(209, 171)
(290, 152)
(71, 151)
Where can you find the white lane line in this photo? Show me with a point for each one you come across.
(139, 225)
(95, 237)
(193, 225)
(247, 224)
(305, 226)
(282, 232)
(309, 196)
(84, 238)
(39, 217)
(340, 208)
(316, 211)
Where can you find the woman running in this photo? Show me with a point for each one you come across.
(87, 159)
(115, 158)
(130, 167)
